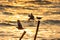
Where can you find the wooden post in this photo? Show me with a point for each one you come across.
(22, 35)
(37, 30)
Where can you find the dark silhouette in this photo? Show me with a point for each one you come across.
(37, 28)
(31, 17)
(22, 35)
(19, 25)
(38, 17)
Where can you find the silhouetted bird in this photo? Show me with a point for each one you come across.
(19, 25)
(31, 17)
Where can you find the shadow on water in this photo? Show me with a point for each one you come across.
(51, 13)
(29, 7)
(55, 12)
(6, 24)
(9, 6)
(40, 2)
(11, 21)
(52, 22)
(45, 3)
(56, 6)
(7, 13)
(6, 35)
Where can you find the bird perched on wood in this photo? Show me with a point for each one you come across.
(19, 25)
(31, 17)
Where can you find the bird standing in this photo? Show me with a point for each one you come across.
(19, 25)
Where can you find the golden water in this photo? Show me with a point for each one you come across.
(20, 10)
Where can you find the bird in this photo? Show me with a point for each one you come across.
(31, 17)
(19, 25)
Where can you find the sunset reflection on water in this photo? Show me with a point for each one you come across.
(13, 10)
